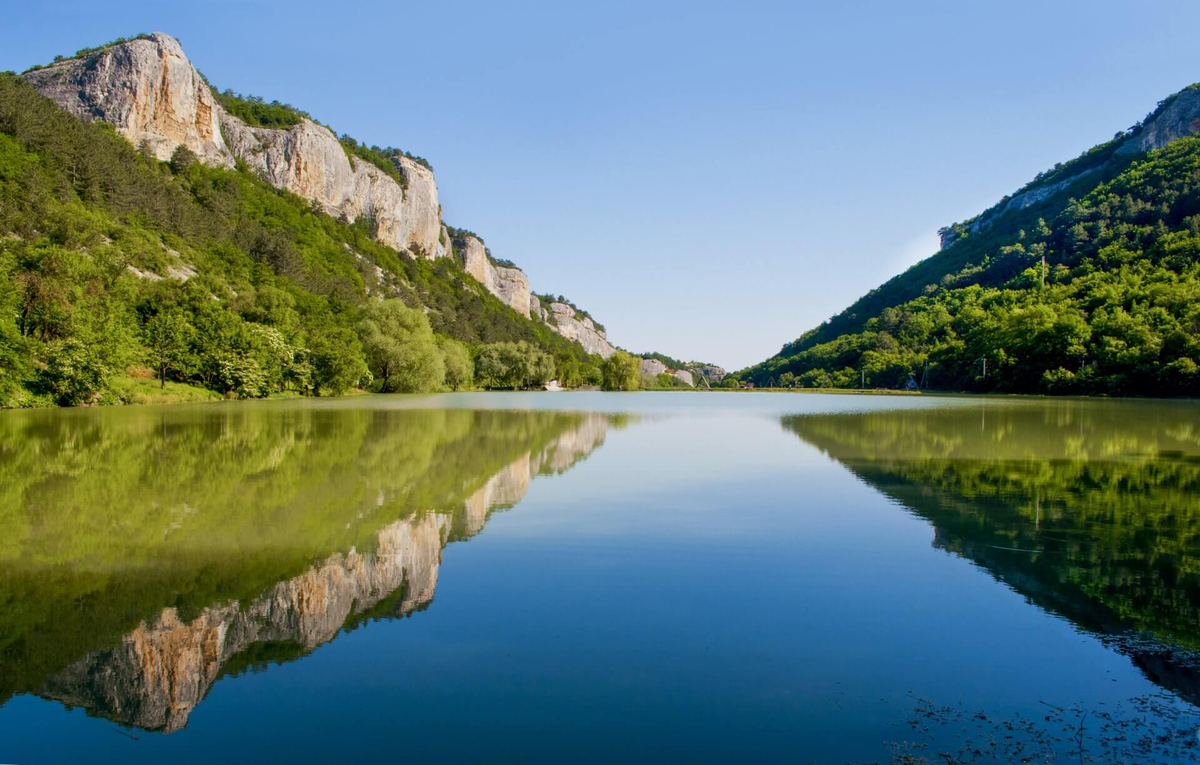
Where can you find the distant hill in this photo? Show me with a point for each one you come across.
(1083, 281)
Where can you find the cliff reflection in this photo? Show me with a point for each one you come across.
(145, 554)
(1089, 510)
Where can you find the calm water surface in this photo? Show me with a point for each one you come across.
(537, 577)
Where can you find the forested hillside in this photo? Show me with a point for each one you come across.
(121, 274)
(1090, 285)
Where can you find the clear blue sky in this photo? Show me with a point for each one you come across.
(708, 179)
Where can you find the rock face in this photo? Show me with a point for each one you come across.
(160, 671)
(711, 372)
(149, 90)
(652, 367)
(1179, 119)
(309, 161)
(563, 319)
(508, 284)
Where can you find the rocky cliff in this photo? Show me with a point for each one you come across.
(309, 161)
(566, 321)
(147, 89)
(508, 284)
(711, 372)
(652, 368)
(161, 670)
(153, 95)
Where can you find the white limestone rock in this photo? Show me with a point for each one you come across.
(147, 89)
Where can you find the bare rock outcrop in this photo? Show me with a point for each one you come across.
(711, 372)
(1179, 119)
(509, 284)
(147, 89)
(308, 160)
(150, 92)
(564, 320)
(652, 368)
(684, 377)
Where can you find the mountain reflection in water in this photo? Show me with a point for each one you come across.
(1088, 509)
(150, 552)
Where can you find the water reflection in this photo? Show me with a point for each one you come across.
(1088, 509)
(147, 553)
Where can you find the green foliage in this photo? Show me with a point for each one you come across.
(265, 293)
(74, 372)
(568, 372)
(621, 371)
(1113, 310)
(384, 159)
(181, 160)
(338, 362)
(401, 351)
(513, 366)
(456, 357)
(168, 338)
(380, 158)
(256, 112)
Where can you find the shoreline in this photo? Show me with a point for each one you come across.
(190, 395)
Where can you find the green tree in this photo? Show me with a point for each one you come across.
(460, 370)
(337, 361)
(567, 370)
(168, 338)
(74, 373)
(621, 371)
(400, 348)
(513, 365)
(182, 159)
(239, 373)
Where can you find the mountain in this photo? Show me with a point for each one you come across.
(1083, 281)
(141, 205)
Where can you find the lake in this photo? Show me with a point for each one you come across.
(597, 577)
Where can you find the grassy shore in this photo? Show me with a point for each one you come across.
(134, 390)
